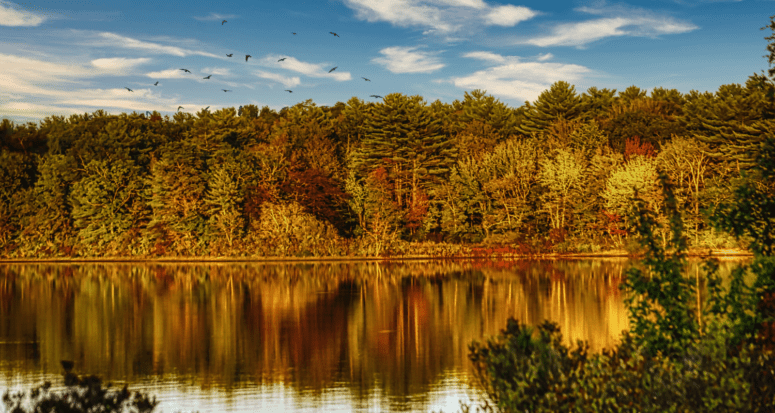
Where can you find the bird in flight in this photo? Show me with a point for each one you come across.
(333, 69)
(247, 56)
(376, 96)
(293, 32)
(289, 91)
(129, 89)
(223, 22)
(207, 77)
(207, 108)
(225, 90)
(282, 59)
(334, 34)
(186, 70)
(368, 80)
(179, 108)
(230, 55)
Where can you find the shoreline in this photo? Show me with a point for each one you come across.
(700, 253)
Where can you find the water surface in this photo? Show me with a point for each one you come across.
(361, 336)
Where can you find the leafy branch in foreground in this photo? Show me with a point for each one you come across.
(660, 300)
(81, 394)
(665, 362)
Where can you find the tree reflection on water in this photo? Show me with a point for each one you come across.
(396, 328)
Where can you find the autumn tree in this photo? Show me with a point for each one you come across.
(562, 175)
(686, 163)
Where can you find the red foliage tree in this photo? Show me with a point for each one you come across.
(633, 146)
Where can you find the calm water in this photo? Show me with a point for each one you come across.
(296, 337)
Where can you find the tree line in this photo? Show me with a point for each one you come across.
(365, 178)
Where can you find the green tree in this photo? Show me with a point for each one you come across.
(560, 101)
(106, 204)
(409, 144)
(732, 122)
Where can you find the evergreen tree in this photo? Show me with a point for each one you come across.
(732, 122)
(631, 93)
(595, 102)
(106, 203)
(408, 142)
(560, 101)
(47, 222)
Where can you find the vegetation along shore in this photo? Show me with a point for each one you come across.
(402, 177)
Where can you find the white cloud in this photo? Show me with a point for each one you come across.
(493, 57)
(118, 64)
(405, 60)
(305, 68)
(516, 79)
(439, 16)
(616, 21)
(509, 15)
(107, 39)
(215, 17)
(217, 71)
(286, 81)
(170, 74)
(33, 89)
(544, 57)
(12, 15)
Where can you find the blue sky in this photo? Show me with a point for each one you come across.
(60, 58)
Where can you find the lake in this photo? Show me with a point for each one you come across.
(334, 336)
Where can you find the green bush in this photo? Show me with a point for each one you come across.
(672, 359)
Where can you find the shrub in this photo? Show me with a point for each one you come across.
(81, 394)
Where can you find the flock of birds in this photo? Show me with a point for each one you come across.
(247, 56)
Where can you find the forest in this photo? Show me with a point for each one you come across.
(394, 178)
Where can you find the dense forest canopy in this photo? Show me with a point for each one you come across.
(364, 178)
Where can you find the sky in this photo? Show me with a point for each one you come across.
(78, 56)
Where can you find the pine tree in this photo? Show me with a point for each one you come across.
(560, 101)
(408, 142)
(595, 102)
(732, 122)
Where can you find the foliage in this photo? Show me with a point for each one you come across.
(664, 363)
(81, 395)
(399, 170)
(660, 300)
(521, 372)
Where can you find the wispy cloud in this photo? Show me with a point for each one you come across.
(286, 81)
(13, 15)
(406, 60)
(305, 68)
(544, 57)
(119, 64)
(215, 17)
(170, 74)
(616, 21)
(32, 88)
(489, 56)
(217, 71)
(106, 39)
(508, 15)
(516, 79)
(442, 16)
